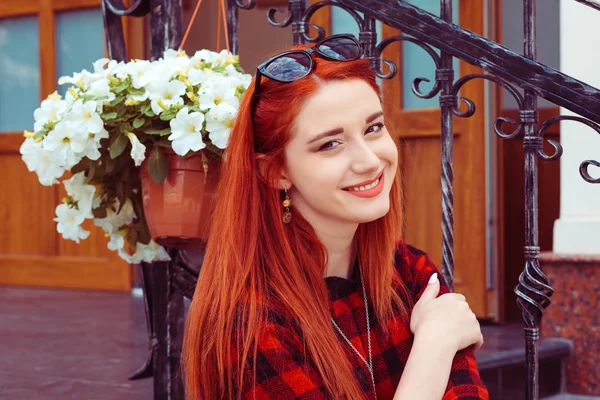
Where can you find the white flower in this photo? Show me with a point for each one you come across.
(218, 124)
(237, 78)
(50, 110)
(93, 145)
(117, 241)
(114, 221)
(201, 56)
(225, 58)
(104, 66)
(81, 192)
(167, 93)
(69, 223)
(86, 116)
(130, 258)
(144, 252)
(80, 79)
(138, 150)
(140, 72)
(217, 90)
(197, 76)
(174, 62)
(186, 132)
(152, 252)
(65, 141)
(101, 89)
(44, 163)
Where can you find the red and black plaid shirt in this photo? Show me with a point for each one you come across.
(284, 373)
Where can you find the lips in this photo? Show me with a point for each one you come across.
(365, 183)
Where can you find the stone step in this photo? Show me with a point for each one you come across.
(567, 396)
(501, 363)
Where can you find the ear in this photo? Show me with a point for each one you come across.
(262, 164)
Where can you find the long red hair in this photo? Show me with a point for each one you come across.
(253, 258)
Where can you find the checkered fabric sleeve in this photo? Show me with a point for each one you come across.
(284, 370)
(465, 382)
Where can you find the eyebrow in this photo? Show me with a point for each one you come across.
(337, 131)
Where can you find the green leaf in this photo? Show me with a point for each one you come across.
(80, 166)
(167, 115)
(92, 171)
(136, 92)
(145, 108)
(165, 132)
(144, 235)
(117, 100)
(88, 97)
(40, 134)
(99, 212)
(120, 194)
(138, 122)
(110, 165)
(166, 143)
(153, 131)
(118, 146)
(125, 127)
(110, 115)
(149, 113)
(158, 167)
(121, 87)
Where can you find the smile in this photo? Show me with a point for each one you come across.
(367, 189)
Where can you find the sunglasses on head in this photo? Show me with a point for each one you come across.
(295, 64)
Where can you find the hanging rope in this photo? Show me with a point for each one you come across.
(221, 19)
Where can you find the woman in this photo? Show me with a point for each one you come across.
(305, 292)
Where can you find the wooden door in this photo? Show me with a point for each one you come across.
(419, 127)
(418, 124)
(41, 40)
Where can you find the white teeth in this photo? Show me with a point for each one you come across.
(366, 187)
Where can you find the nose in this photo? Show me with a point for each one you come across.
(364, 159)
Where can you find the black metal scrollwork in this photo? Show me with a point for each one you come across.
(583, 170)
(471, 108)
(393, 69)
(273, 20)
(248, 5)
(583, 167)
(312, 9)
(138, 8)
(534, 290)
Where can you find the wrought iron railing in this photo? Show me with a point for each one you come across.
(165, 283)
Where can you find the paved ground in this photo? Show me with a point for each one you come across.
(66, 344)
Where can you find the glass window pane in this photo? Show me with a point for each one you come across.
(77, 48)
(342, 22)
(417, 63)
(19, 73)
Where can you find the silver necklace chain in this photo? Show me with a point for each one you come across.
(370, 363)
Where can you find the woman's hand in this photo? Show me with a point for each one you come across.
(446, 320)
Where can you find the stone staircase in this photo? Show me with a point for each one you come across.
(501, 363)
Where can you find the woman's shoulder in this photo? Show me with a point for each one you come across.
(414, 268)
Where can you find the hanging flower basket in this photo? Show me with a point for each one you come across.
(171, 116)
(179, 209)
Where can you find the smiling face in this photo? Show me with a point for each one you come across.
(341, 160)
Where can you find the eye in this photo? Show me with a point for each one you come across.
(332, 144)
(375, 127)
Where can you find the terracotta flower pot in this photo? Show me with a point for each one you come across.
(179, 210)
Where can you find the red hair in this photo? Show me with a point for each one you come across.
(252, 256)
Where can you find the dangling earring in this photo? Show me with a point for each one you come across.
(287, 215)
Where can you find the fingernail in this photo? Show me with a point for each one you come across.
(433, 279)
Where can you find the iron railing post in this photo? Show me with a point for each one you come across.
(445, 74)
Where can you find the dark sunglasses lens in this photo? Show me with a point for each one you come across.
(289, 67)
(341, 48)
